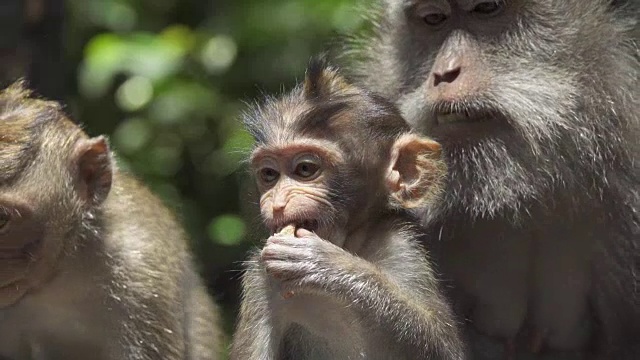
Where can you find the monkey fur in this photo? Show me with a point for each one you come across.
(345, 278)
(537, 109)
(92, 265)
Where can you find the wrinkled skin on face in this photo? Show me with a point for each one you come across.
(295, 185)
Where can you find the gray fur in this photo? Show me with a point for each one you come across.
(545, 211)
(366, 290)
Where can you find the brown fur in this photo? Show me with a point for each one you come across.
(359, 285)
(109, 275)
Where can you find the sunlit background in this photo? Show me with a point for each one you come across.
(166, 80)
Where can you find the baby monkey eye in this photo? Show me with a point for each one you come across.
(488, 7)
(268, 175)
(307, 167)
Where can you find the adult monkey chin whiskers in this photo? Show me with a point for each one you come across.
(539, 223)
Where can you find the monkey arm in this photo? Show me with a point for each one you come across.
(395, 293)
(411, 310)
(253, 337)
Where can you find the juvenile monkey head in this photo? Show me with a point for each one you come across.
(52, 180)
(330, 156)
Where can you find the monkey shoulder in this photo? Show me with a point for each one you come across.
(136, 218)
(151, 279)
(391, 239)
(396, 249)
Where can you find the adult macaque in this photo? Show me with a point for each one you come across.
(536, 105)
(92, 265)
(345, 278)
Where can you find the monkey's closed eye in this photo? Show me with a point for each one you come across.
(268, 175)
(488, 7)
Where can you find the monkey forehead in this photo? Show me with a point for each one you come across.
(327, 150)
(19, 126)
(23, 129)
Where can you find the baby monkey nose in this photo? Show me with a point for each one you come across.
(279, 203)
(446, 76)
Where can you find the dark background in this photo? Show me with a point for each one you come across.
(166, 81)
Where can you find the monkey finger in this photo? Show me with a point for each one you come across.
(307, 238)
(286, 270)
(279, 239)
(311, 240)
(301, 232)
(285, 252)
(284, 243)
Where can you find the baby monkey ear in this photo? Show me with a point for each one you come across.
(416, 170)
(322, 81)
(92, 162)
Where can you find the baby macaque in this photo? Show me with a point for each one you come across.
(92, 265)
(343, 276)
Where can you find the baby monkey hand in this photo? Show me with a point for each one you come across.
(302, 261)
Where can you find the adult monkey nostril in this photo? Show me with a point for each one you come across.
(447, 77)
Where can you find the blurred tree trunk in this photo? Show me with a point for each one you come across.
(31, 45)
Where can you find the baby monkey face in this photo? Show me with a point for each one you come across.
(294, 180)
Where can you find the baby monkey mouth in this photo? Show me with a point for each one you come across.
(307, 224)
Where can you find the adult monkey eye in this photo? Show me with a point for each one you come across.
(488, 7)
(307, 167)
(433, 13)
(434, 19)
(268, 175)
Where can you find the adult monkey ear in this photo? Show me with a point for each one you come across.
(91, 159)
(322, 81)
(416, 171)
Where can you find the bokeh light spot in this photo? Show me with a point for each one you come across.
(132, 135)
(120, 16)
(227, 229)
(134, 93)
(218, 54)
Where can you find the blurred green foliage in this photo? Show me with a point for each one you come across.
(167, 79)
